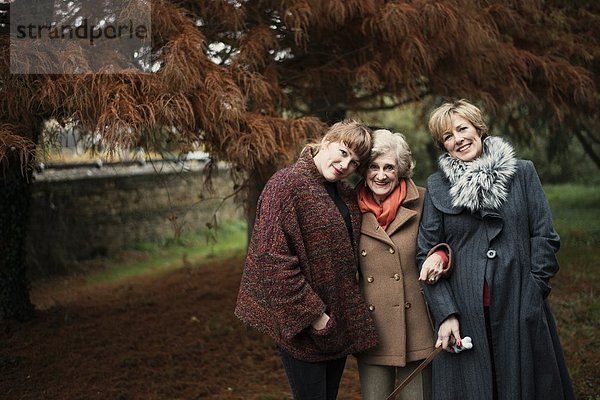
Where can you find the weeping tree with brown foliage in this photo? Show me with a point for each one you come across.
(252, 80)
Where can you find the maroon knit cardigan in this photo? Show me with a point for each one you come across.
(300, 263)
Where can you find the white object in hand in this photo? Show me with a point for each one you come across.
(466, 344)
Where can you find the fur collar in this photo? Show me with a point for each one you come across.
(481, 184)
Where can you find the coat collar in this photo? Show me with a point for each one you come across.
(405, 212)
(307, 166)
(482, 184)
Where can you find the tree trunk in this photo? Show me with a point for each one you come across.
(15, 196)
(257, 180)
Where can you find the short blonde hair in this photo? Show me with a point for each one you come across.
(354, 134)
(384, 141)
(440, 120)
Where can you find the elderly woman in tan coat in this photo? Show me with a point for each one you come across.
(391, 204)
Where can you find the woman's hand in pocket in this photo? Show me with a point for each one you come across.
(321, 322)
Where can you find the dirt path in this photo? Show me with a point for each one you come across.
(163, 337)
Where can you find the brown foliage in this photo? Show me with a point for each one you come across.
(279, 62)
(11, 143)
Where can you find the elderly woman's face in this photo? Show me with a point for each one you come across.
(382, 175)
(463, 141)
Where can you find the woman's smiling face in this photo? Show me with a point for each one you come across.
(382, 176)
(336, 161)
(463, 142)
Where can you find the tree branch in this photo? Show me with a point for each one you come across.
(587, 147)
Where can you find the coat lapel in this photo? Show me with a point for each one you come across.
(405, 213)
(371, 227)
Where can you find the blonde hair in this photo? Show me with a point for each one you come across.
(440, 120)
(352, 133)
(384, 141)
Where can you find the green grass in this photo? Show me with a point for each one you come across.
(226, 241)
(576, 213)
(574, 297)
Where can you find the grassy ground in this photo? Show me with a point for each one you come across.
(146, 260)
(576, 213)
(226, 241)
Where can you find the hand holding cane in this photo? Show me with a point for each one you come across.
(465, 345)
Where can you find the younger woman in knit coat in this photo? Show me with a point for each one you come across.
(299, 284)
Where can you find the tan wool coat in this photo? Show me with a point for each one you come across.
(389, 283)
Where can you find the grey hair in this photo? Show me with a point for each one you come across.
(384, 141)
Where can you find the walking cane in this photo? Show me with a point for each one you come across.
(466, 345)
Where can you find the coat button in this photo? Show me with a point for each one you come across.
(370, 279)
(391, 250)
(371, 307)
(397, 277)
(491, 253)
(363, 253)
(407, 305)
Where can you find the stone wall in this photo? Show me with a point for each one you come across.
(79, 214)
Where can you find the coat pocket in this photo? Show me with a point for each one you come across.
(542, 288)
(328, 340)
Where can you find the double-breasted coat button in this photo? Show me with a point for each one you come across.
(407, 305)
(491, 253)
(370, 279)
(371, 307)
(363, 253)
(397, 277)
(391, 250)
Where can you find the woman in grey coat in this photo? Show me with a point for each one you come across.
(490, 208)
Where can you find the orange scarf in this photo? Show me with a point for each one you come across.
(386, 212)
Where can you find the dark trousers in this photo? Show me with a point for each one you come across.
(313, 380)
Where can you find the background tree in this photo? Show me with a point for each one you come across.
(252, 80)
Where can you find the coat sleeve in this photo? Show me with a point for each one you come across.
(273, 274)
(544, 241)
(431, 233)
(444, 247)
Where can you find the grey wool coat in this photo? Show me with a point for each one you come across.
(389, 283)
(501, 232)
